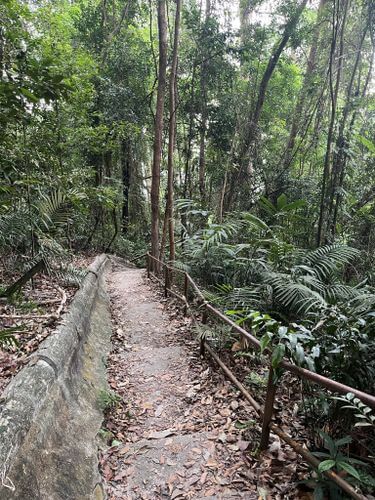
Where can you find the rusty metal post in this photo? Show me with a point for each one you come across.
(268, 411)
(202, 349)
(148, 265)
(186, 290)
(166, 281)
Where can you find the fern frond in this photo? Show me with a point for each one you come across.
(178, 264)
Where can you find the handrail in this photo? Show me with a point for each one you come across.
(326, 382)
(266, 413)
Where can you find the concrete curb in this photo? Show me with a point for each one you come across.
(63, 376)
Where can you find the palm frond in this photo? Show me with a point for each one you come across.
(54, 211)
(69, 274)
(292, 295)
(7, 338)
(327, 259)
(14, 227)
(215, 234)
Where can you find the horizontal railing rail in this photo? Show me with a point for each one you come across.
(154, 266)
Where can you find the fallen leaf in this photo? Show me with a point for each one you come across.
(120, 475)
(243, 445)
(159, 410)
(203, 477)
(222, 437)
(234, 405)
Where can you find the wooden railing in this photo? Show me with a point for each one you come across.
(157, 268)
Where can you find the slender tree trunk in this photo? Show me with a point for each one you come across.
(289, 29)
(172, 130)
(248, 150)
(126, 180)
(187, 189)
(159, 120)
(334, 89)
(342, 144)
(310, 70)
(204, 113)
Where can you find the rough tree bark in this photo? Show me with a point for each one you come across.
(158, 137)
(168, 220)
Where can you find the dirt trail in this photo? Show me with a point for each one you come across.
(175, 424)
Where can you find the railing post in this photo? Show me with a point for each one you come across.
(268, 411)
(186, 288)
(166, 281)
(148, 265)
(202, 349)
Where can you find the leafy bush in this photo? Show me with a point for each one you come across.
(300, 301)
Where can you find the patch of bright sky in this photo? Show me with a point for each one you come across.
(228, 11)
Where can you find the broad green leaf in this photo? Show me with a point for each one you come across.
(367, 143)
(277, 355)
(349, 469)
(282, 200)
(264, 341)
(326, 465)
(294, 205)
(344, 440)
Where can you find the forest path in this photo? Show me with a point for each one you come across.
(176, 423)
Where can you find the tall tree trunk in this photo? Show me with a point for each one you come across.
(306, 86)
(172, 130)
(204, 113)
(126, 180)
(249, 145)
(334, 90)
(342, 142)
(158, 138)
(189, 139)
(253, 131)
(187, 185)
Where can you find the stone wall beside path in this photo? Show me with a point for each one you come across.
(50, 413)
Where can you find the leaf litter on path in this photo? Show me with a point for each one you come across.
(197, 436)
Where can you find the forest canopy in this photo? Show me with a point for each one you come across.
(271, 99)
(236, 139)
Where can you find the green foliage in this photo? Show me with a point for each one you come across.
(256, 381)
(7, 338)
(295, 300)
(334, 459)
(281, 340)
(108, 400)
(364, 414)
